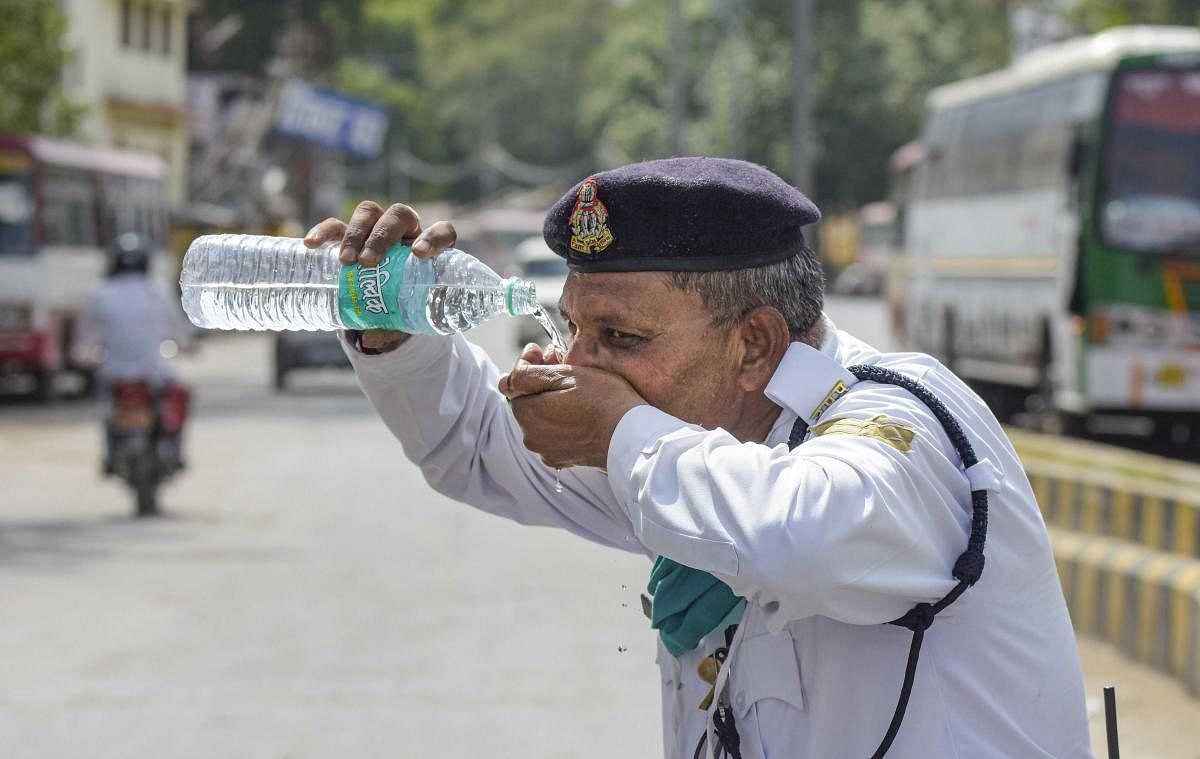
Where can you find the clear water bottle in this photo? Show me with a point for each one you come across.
(276, 283)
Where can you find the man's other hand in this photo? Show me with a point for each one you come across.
(568, 413)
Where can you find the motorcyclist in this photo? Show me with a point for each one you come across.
(129, 328)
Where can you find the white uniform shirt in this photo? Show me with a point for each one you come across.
(124, 326)
(828, 542)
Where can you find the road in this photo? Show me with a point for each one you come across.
(308, 596)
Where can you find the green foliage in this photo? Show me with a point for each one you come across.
(31, 60)
(576, 81)
(1097, 15)
(874, 62)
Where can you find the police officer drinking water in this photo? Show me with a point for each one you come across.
(845, 556)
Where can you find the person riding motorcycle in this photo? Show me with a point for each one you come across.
(128, 329)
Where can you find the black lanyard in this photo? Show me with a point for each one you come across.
(967, 569)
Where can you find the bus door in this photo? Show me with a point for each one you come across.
(21, 345)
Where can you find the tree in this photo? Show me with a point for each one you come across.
(875, 61)
(32, 57)
(464, 77)
(1097, 15)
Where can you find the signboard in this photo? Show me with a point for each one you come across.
(330, 119)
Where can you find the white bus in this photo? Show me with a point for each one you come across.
(60, 205)
(1053, 233)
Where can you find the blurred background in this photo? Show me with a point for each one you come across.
(1012, 186)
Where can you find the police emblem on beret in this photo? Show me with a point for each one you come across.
(589, 220)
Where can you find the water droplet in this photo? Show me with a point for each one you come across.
(558, 486)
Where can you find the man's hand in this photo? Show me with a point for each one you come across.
(568, 413)
(367, 237)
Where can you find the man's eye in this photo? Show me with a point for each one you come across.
(622, 338)
(571, 328)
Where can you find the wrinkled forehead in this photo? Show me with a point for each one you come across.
(642, 295)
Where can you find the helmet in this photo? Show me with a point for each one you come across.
(130, 252)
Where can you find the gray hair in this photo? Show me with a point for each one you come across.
(795, 287)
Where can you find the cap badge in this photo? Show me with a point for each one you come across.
(589, 221)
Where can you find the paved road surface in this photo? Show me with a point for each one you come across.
(309, 597)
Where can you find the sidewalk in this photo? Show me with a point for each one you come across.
(1157, 719)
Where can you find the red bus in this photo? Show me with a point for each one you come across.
(60, 205)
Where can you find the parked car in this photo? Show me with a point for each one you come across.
(302, 350)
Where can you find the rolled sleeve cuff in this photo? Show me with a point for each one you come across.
(637, 435)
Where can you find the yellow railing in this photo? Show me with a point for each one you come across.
(1126, 533)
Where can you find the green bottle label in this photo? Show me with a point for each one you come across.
(369, 296)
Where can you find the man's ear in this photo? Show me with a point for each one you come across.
(765, 338)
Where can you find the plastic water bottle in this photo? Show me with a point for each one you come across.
(276, 283)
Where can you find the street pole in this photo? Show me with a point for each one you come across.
(738, 72)
(678, 65)
(802, 175)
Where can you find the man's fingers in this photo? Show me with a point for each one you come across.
(397, 223)
(531, 379)
(532, 353)
(434, 240)
(362, 221)
(323, 232)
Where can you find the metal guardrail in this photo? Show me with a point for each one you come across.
(1125, 527)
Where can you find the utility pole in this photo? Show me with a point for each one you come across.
(678, 32)
(802, 174)
(738, 73)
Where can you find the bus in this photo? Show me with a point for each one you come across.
(60, 205)
(1052, 232)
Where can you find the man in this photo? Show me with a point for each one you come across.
(129, 327)
(705, 416)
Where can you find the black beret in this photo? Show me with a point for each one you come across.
(679, 214)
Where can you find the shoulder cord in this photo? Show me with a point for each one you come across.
(967, 569)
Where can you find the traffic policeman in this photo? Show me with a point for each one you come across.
(795, 489)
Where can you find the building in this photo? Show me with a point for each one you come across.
(128, 70)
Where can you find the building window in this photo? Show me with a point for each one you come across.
(166, 30)
(146, 26)
(126, 23)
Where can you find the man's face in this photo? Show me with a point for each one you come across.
(659, 339)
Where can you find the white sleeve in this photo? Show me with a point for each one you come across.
(177, 326)
(87, 337)
(438, 396)
(845, 526)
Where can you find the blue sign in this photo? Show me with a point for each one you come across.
(330, 119)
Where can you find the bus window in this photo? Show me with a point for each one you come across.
(69, 217)
(119, 205)
(16, 214)
(1152, 161)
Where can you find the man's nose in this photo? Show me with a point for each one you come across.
(582, 351)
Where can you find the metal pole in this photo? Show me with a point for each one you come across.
(738, 54)
(802, 13)
(1110, 721)
(678, 64)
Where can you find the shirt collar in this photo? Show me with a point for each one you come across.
(808, 380)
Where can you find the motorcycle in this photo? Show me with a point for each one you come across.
(144, 435)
